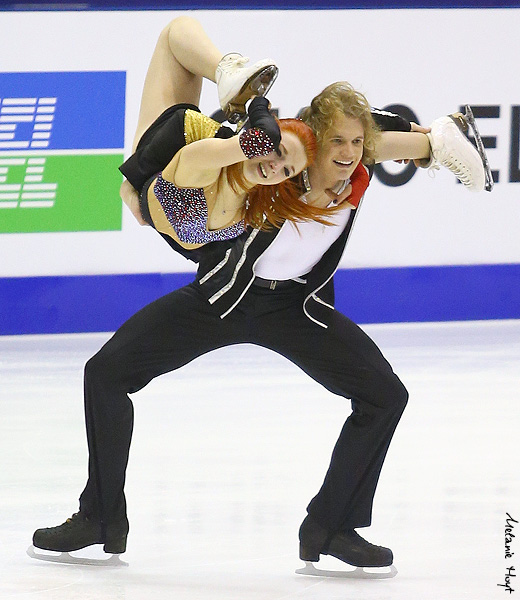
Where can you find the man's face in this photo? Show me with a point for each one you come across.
(341, 150)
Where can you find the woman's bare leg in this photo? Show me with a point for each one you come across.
(183, 56)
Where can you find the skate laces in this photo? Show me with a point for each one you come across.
(435, 166)
(71, 520)
(458, 168)
(441, 140)
(362, 542)
(234, 62)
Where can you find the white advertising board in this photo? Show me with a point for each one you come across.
(431, 61)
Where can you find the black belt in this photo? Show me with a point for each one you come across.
(276, 284)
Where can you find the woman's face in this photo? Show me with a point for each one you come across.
(340, 151)
(289, 160)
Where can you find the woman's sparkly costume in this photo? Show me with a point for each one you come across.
(187, 212)
(185, 208)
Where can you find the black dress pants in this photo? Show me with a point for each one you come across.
(181, 326)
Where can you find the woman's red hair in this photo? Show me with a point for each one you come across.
(274, 204)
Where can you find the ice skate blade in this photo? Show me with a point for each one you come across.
(467, 124)
(357, 573)
(66, 559)
(258, 85)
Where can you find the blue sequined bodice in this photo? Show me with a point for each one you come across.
(187, 212)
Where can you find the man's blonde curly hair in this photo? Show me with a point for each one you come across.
(342, 98)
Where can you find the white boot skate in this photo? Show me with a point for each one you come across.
(453, 150)
(238, 83)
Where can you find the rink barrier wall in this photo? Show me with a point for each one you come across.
(111, 5)
(74, 304)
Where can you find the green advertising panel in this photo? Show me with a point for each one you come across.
(60, 193)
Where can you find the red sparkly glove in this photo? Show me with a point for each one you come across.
(255, 142)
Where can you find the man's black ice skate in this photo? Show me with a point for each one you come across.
(351, 548)
(347, 546)
(79, 532)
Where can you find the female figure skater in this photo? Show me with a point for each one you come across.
(193, 180)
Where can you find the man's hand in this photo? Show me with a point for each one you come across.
(419, 128)
(341, 197)
(130, 197)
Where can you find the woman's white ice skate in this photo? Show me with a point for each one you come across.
(452, 149)
(237, 83)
